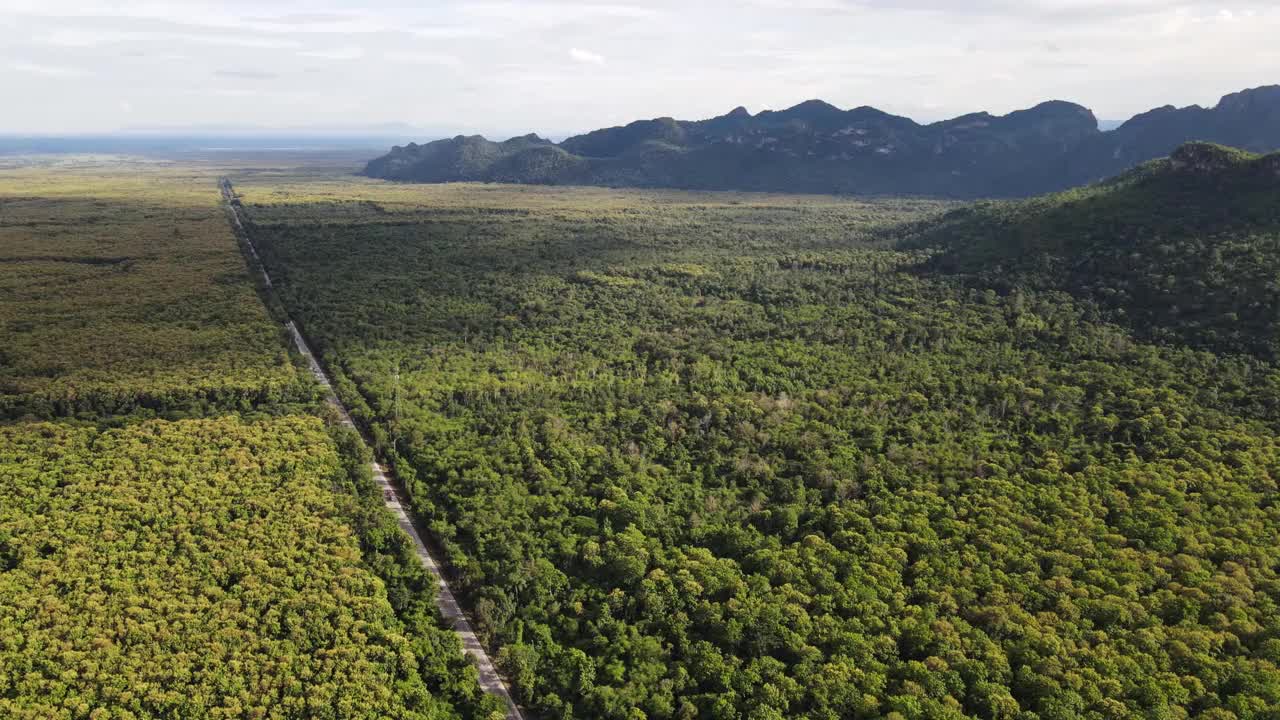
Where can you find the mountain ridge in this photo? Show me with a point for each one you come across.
(817, 147)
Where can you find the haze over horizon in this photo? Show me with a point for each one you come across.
(559, 66)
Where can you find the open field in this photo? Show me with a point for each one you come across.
(733, 456)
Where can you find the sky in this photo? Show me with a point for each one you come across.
(505, 67)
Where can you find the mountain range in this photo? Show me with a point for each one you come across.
(819, 148)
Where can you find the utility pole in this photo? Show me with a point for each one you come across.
(397, 401)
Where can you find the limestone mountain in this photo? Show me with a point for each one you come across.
(817, 147)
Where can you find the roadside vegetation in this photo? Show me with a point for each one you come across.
(736, 456)
(181, 533)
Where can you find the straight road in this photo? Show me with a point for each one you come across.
(490, 681)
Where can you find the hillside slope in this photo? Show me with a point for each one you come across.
(1184, 248)
(816, 147)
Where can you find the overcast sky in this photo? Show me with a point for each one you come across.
(554, 66)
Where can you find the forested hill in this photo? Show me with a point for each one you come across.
(818, 148)
(1184, 248)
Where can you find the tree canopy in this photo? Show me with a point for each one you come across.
(237, 564)
(731, 456)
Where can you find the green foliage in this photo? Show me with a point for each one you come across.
(410, 589)
(210, 568)
(123, 292)
(1184, 250)
(724, 457)
(194, 569)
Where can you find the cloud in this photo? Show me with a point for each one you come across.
(805, 5)
(586, 56)
(349, 52)
(82, 38)
(316, 18)
(246, 74)
(559, 65)
(1051, 12)
(554, 11)
(91, 37)
(447, 32)
(414, 57)
(47, 70)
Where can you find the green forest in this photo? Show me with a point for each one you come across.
(184, 533)
(193, 569)
(1184, 250)
(122, 290)
(754, 457)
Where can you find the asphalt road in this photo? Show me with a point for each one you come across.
(490, 680)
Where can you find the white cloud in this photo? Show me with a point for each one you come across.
(233, 74)
(47, 70)
(413, 57)
(537, 65)
(586, 56)
(87, 37)
(438, 32)
(81, 38)
(537, 12)
(348, 52)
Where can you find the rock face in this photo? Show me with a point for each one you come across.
(817, 147)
